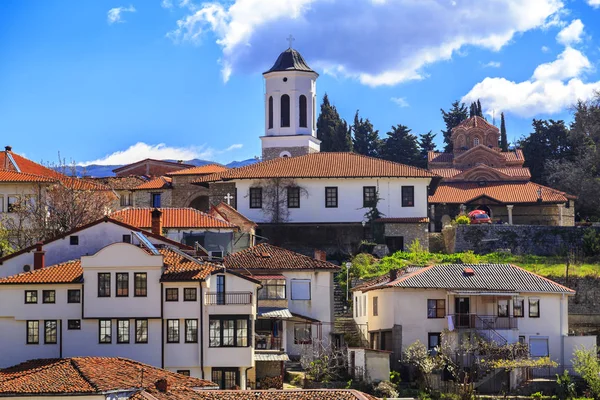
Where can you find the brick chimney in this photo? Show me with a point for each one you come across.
(39, 256)
(8, 148)
(162, 385)
(320, 255)
(157, 222)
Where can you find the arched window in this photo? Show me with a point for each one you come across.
(285, 111)
(476, 141)
(270, 112)
(303, 111)
(314, 112)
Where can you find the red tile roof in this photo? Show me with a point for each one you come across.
(67, 272)
(228, 213)
(305, 394)
(475, 122)
(201, 170)
(87, 375)
(506, 193)
(162, 182)
(268, 257)
(120, 182)
(180, 268)
(13, 176)
(171, 218)
(513, 157)
(321, 165)
(512, 172)
(164, 162)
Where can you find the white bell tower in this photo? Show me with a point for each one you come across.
(290, 107)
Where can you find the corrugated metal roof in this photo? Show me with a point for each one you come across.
(260, 356)
(273, 312)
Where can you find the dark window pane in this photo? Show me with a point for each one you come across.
(123, 331)
(103, 284)
(285, 111)
(74, 324)
(191, 330)
(33, 332)
(141, 331)
(74, 296)
(270, 112)
(369, 196)
(293, 197)
(172, 294)
(256, 197)
(141, 284)
(408, 196)
(189, 294)
(303, 111)
(31, 296)
(122, 284)
(50, 329)
(172, 331)
(331, 197)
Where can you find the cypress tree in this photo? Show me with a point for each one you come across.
(479, 112)
(426, 144)
(331, 129)
(365, 139)
(454, 116)
(401, 146)
(503, 138)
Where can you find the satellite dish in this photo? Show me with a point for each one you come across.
(26, 267)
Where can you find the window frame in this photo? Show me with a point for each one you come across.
(154, 197)
(141, 321)
(265, 289)
(285, 111)
(189, 290)
(408, 196)
(70, 323)
(74, 240)
(255, 197)
(29, 330)
(128, 331)
(436, 308)
(221, 330)
(522, 301)
(50, 339)
(303, 111)
(184, 372)
(104, 291)
(10, 206)
(169, 292)
(292, 281)
(331, 197)
(70, 293)
(538, 307)
(375, 306)
(270, 112)
(438, 335)
(173, 331)
(51, 293)
(503, 314)
(100, 329)
(126, 238)
(125, 289)
(366, 195)
(293, 201)
(143, 288)
(188, 329)
(307, 328)
(27, 300)
(223, 379)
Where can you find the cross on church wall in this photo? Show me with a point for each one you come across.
(290, 39)
(228, 198)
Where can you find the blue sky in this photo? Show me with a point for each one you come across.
(115, 80)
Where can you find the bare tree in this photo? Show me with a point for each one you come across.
(275, 198)
(324, 362)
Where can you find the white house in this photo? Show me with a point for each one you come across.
(500, 302)
(159, 306)
(295, 303)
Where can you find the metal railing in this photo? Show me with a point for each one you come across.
(474, 321)
(267, 342)
(229, 298)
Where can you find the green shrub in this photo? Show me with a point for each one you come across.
(537, 396)
(591, 242)
(385, 389)
(395, 377)
(461, 220)
(566, 387)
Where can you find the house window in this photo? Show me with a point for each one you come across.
(141, 284)
(74, 240)
(228, 331)
(126, 238)
(105, 326)
(433, 341)
(285, 111)
(272, 289)
(538, 346)
(103, 284)
(369, 196)
(408, 196)
(31, 296)
(534, 308)
(156, 200)
(226, 378)
(141, 331)
(503, 308)
(73, 296)
(220, 289)
(302, 334)
(184, 372)
(13, 202)
(270, 116)
(33, 332)
(331, 197)
(375, 306)
(300, 289)
(293, 197)
(375, 341)
(171, 294)
(172, 331)
(74, 324)
(49, 296)
(190, 294)
(123, 331)
(436, 308)
(191, 331)
(1, 204)
(522, 340)
(255, 197)
(125, 199)
(355, 306)
(122, 284)
(50, 332)
(303, 111)
(518, 305)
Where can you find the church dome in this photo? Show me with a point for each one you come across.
(290, 60)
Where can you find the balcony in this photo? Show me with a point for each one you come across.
(228, 298)
(267, 341)
(484, 322)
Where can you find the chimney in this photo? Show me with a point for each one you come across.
(162, 385)
(393, 274)
(320, 255)
(39, 256)
(157, 222)
(8, 148)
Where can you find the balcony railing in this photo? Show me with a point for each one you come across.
(267, 342)
(229, 298)
(474, 321)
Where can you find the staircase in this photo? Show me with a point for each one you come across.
(340, 307)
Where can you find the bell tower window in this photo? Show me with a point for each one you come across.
(285, 111)
(270, 112)
(303, 111)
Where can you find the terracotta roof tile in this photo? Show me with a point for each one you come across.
(306, 394)
(67, 272)
(475, 122)
(162, 182)
(227, 212)
(180, 268)
(120, 182)
(512, 172)
(171, 218)
(164, 162)
(13, 176)
(201, 170)
(89, 375)
(507, 193)
(268, 257)
(513, 157)
(321, 165)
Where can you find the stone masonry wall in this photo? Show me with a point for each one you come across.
(184, 193)
(520, 239)
(143, 198)
(218, 191)
(274, 152)
(410, 232)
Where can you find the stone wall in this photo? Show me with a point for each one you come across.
(143, 198)
(520, 239)
(184, 192)
(218, 191)
(410, 233)
(274, 152)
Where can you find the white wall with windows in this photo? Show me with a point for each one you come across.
(347, 205)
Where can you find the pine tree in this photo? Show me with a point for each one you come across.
(479, 112)
(472, 110)
(365, 140)
(426, 144)
(401, 146)
(331, 129)
(454, 116)
(503, 138)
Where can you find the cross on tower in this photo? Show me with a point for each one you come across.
(291, 40)
(228, 198)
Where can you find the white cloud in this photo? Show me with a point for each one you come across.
(493, 64)
(400, 101)
(545, 49)
(552, 87)
(161, 151)
(594, 3)
(114, 14)
(166, 4)
(571, 34)
(377, 42)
